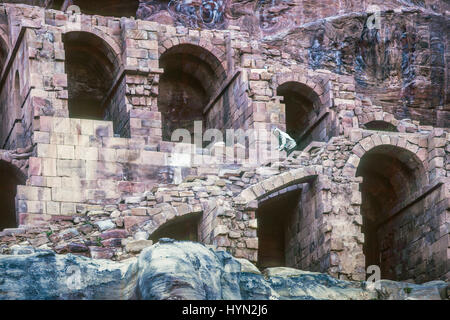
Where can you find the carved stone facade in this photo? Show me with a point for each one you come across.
(89, 105)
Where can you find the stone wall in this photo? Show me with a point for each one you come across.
(103, 187)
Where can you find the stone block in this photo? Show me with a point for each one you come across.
(65, 152)
(137, 246)
(33, 193)
(86, 153)
(367, 143)
(61, 125)
(251, 243)
(248, 195)
(87, 127)
(53, 208)
(35, 166)
(107, 154)
(220, 230)
(46, 151)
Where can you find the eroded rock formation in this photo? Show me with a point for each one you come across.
(184, 271)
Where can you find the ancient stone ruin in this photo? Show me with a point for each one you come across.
(93, 95)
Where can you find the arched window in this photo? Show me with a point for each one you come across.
(91, 66)
(10, 178)
(192, 75)
(303, 117)
(391, 176)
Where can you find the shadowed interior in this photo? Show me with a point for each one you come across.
(90, 74)
(3, 53)
(184, 228)
(301, 110)
(273, 217)
(191, 77)
(10, 178)
(391, 175)
(114, 8)
(379, 125)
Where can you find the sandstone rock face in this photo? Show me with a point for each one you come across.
(43, 275)
(182, 270)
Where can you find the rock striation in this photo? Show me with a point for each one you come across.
(183, 270)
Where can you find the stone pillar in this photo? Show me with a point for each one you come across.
(141, 79)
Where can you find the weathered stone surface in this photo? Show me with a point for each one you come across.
(182, 270)
(373, 149)
(137, 246)
(44, 275)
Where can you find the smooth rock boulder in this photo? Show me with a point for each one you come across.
(185, 271)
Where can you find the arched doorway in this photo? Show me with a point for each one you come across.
(183, 228)
(392, 177)
(10, 178)
(276, 218)
(302, 113)
(91, 68)
(192, 75)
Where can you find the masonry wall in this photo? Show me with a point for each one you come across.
(414, 243)
(307, 244)
(80, 173)
(15, 89)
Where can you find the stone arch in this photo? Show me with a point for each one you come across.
(283, 205)
(385, 121)
(283, 181)
(92, 63)
(181, 228)
(380, 125)
(307, 103)
(11, 176)
(212, 54)
(318, 86)
(192, 76)
(169, 220)
(112, 46)
(394, 184)
(412, 154)
(378, 120)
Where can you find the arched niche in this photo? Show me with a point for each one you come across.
(192, 75)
